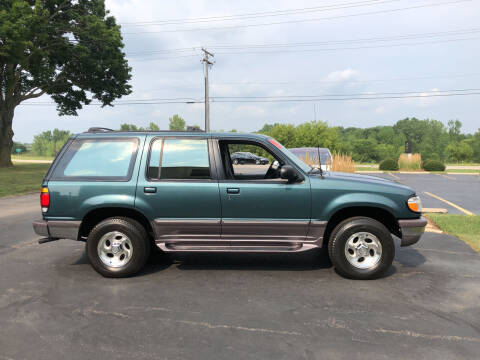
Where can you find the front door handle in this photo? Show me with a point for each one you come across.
(233, 191)
(150, 190)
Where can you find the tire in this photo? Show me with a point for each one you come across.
(112, 238)
(361, 237)
(235, 162)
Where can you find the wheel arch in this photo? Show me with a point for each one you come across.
(383, 216)
(97, 215)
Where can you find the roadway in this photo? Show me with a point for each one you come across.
(53, 305)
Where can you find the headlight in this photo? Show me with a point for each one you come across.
(415, 204)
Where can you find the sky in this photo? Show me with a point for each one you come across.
(342, 50)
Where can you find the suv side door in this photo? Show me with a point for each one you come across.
(178, 190)
(263, 210)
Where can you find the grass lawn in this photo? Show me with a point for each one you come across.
(460, 171)
(464, 227)
(31, 157)
(22, 179)
(366, 167)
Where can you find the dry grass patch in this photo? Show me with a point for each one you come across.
(410, 162)
(342, 163)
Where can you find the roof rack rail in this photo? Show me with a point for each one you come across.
(99, 129)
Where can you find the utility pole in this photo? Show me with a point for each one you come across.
(208, 63)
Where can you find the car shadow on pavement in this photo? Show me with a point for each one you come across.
(305, 261)
(409, 257)
(309, 260)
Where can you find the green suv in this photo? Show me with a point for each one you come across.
(129, 193)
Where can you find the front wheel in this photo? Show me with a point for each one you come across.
(118, 247)
(361, 248)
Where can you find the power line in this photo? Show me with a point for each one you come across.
(345, 95)
(349, 98)
(290, 98)
(347, 48)
(318, 43)
(345, 81)
(302, 20)
(258, 14)
(313, 50)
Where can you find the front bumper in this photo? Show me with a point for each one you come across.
(57, 229)
(412, 230)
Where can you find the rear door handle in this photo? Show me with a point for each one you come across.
(149, 190)
(233, 191)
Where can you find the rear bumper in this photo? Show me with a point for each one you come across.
(57, 229)
(412, 230)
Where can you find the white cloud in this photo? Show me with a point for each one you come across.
(343, 75)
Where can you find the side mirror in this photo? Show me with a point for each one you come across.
(289, 173)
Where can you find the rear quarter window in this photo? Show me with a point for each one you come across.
(98, 159)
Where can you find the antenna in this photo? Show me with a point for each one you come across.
(319, 162)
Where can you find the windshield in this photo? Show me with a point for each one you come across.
(291, 156)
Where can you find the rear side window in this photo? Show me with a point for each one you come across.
(179, 159)
(98, 159)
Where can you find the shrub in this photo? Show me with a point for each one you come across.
(342, 163)
(388, 165)
(410, 162)
(433, 165)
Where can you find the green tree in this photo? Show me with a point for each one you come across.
(459, 151)
(454, 130)
(364, 150)
(176, 123)
(128, 127)
(131, 127)
(49, 143)
(153, 127)
(70, 50)
(386, 151)
(284, 133)
(475, 143)
(315, 134)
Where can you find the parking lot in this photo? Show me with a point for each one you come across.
(53, 305)
(458, 189)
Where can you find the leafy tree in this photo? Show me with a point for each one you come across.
(459, 151)
(412, 129)
(386, 151)
(49, 143)
(475, 144)
(454, 130)
(364, 150)
(128, 127)
(315, 134)
(434, 141)
(70, 50)
(285, 133)
(176, 123)
(131, 127)
(153, 127)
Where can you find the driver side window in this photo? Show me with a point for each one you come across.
(248, 161)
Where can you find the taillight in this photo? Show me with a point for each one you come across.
(44, 199)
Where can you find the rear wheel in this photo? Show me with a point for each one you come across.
(235, 162)
(361, 248)
(118, 247)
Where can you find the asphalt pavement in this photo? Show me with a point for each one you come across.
(53, 305)
(459, 189)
